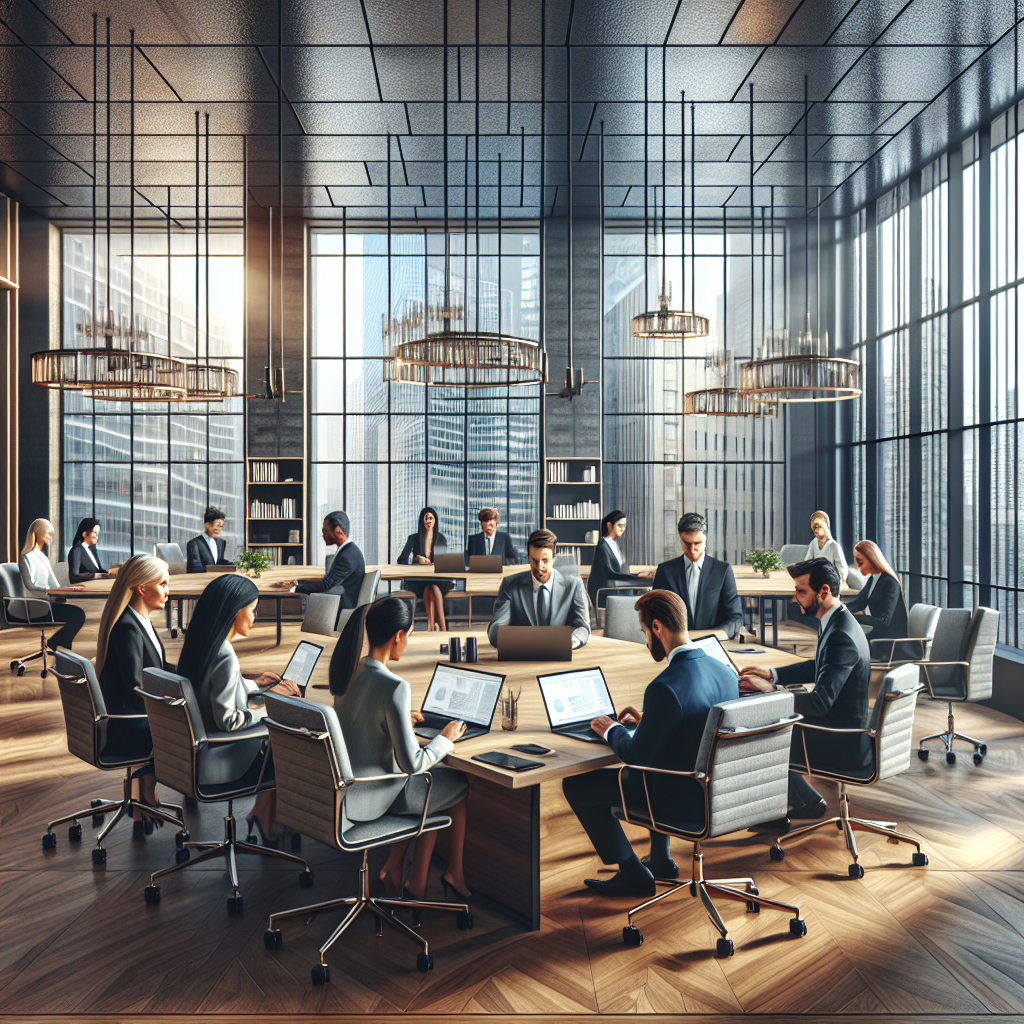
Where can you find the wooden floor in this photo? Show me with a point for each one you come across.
(941, 943)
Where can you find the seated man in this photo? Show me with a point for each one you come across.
(207, 548)
(346, 573)
(706, 585)
(542, 596)
(667, 735)
(840, 672)
(490, 540)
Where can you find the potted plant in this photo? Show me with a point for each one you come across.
(252, 563)
(764, 561)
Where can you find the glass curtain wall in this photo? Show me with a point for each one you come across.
(148, 470)
(658, 463)
(382, 450)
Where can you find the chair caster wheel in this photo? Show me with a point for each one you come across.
(724, 948)
(978, 758)
(777, 853)
(753, 907)
(174, 634)
(97, 819)
(20, 670)
(950, 757)
(753, 890)
(983, 749)
(322, 974)
(14, 667)
(296, 842)
(305, 879)
(75, 833)
(99, 856)
(49, 841)
(839, 826)
(919, 859)
(923, 754)
(234, 906)
(152, 894)
(43, 674)
(632, 936)
(797, 927)
(181, 837)
(272, 939)
(180, 856)
(138, 830)
(856, 871)
(424, 962)
(464, 919)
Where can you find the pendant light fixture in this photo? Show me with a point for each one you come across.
(803, 370)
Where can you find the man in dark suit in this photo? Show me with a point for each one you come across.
(706, 584)
(542, 596)
(840, 673)
(667, 735)
(491, 541)
(346, 573)
(208, 547)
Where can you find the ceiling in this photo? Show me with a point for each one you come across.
(890, 83)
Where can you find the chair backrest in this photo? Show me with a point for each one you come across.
(980, 651)
(922, 620)
(328, 562)
(176, 725)
(321, 614)
(566, 565)
(16, 613)
(172, 555)
(60, 570)
(311, 765)
(368, 588)
(892, 720)
(948, 644)
(622, 620)
(792, 553)
(83, 704)
(855, 579)
(748, 772)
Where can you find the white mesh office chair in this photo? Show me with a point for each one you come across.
(622, 620)
(20, 612)
(792, 553)
(321, 614)
(367, 594)
(921, 623)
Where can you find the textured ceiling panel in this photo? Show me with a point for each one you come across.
(702, 22)
(326, 73)
(760, 21)
(977, 23)
(408, 22)
(707, 73)
(622, 22)
(815, 21)
(905, 73)
(866, 22)
(24, 76)
(353, 118)
(779, 74)
(609, 74)
(224, 73)
(322, 22)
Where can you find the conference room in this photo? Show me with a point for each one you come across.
(512, 509)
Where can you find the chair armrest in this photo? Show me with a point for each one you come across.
(8, 599)
(124, 718)
(252, 733)
(698, 777)
(924, 641)
(740, 730)
(927, 665)
(146, 695)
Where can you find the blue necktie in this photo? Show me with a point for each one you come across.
(543, 611)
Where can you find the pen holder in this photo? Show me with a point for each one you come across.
(510, 712)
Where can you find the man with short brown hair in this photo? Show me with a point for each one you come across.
(490, 540)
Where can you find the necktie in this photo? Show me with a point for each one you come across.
(489, 539)
(543, 611)
(691, 587)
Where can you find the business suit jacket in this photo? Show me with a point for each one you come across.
(81, 567)
(198, 555)
(344, 577)
(718, 603)
(514, 605)
(223, 696)
(412, 547)
(501, 544)
(608, 570)
(885, 605)
(129, 650)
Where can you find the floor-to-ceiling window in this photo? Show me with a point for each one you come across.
(382, 450)
(147, 470)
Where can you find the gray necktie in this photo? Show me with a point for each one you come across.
(543, 608)
(691, 586)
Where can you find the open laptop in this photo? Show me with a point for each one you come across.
(485, 563)
(573, 699)
(219, 568)
(449, 563)
(461, 694)
(535, 643)
(301, 664)
(713, 648)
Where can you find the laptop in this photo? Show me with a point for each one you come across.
(535, 643)
(485, 563)
(713, 648)
(457, 693)
(449, 563)
(573, 699)
(301, 664)
(219, 568)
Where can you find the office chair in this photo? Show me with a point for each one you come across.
(890, 729)
(367, 593)
(108, 742)
(176, 566)
(18, 611)
(601, 602)
(622, 620)
(792, 553)
(962, 676)
(914, 647)
(321, 614)
(60, 570)
(742, 766)
(209, 767)
(314, 776)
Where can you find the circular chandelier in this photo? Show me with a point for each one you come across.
(670, 323)
(111, 374)
(468, 359)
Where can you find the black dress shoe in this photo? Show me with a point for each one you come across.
(633, 884)
(660, 868)
(810, 810)
(778, 827)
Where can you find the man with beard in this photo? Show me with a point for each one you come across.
(840, 672)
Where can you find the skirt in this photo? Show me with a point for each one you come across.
(417, 586)
(448, 787)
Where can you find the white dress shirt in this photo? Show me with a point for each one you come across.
(614, 545)
(92, 557)
(212, 544)
(693, 571)
(148, 627)
(40, 574)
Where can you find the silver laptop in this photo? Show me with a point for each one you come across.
(713, 648)
(485, 563)
(573, 699)
(301, 664)
(535, 643)
(457, 693)
(449, 563)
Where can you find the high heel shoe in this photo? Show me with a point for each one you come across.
(270, 841)
(416, 911)
(453, 895)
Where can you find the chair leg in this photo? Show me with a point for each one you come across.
(357, 908)
(948, 737)
(104, 808)
(267, 851)
(207, 854)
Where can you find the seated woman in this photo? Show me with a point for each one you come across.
(880, 607)
(374, 707)
(824, 545)
(83, 558)
(610, 567)
(227, 609)
(420, 548)
(37, 577)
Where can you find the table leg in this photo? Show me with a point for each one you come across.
(775, 621)
(279, 621)
(761, 620)
(470, 613)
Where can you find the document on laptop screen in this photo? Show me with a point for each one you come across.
(576, 696)
(458, 693)
(713, 648)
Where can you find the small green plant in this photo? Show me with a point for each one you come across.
(764, 561)
(252, 562)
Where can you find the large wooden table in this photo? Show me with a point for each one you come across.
(503, 838)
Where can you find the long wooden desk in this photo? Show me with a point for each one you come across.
(503, 838)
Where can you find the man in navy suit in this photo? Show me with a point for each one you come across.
(208, 547)
(706, 585)
(490, 541)
(346, 573)
(667, 735)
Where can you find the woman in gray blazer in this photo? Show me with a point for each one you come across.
(374, 707)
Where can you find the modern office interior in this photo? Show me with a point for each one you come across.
(512, 508)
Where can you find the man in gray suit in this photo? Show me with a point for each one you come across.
(542, 596)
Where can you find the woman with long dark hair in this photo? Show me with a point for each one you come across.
(610, 567)
(83, 558)
(420, 548)
(374, 707)
(227, 609)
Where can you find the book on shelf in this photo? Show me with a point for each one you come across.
(558, 473)
(264, 472)
(577, 510)
(288, 509)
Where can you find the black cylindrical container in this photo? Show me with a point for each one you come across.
(471, 648)
(454, 649)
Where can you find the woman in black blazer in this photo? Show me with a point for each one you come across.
(880, 605)
(420, 548)
(83, 559)
(610, 567)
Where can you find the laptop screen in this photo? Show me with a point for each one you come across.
(301, 664)
(713, 648)
(462, 693)
(576, 696)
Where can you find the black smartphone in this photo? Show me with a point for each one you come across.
(509, 761)
(744, 650)
(531, 748)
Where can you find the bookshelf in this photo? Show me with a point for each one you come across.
(573, 502)
(275, 507)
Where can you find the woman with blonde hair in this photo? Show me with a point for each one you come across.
(824, 545)
(880, 607)
(37, 577)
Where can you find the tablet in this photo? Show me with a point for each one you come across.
(301, 664)
(508, 761)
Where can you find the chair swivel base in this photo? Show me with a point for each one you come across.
(227, 849)
(18, 664)
(848, 826)
(705, 888)
(948, 736)
(382, 908)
